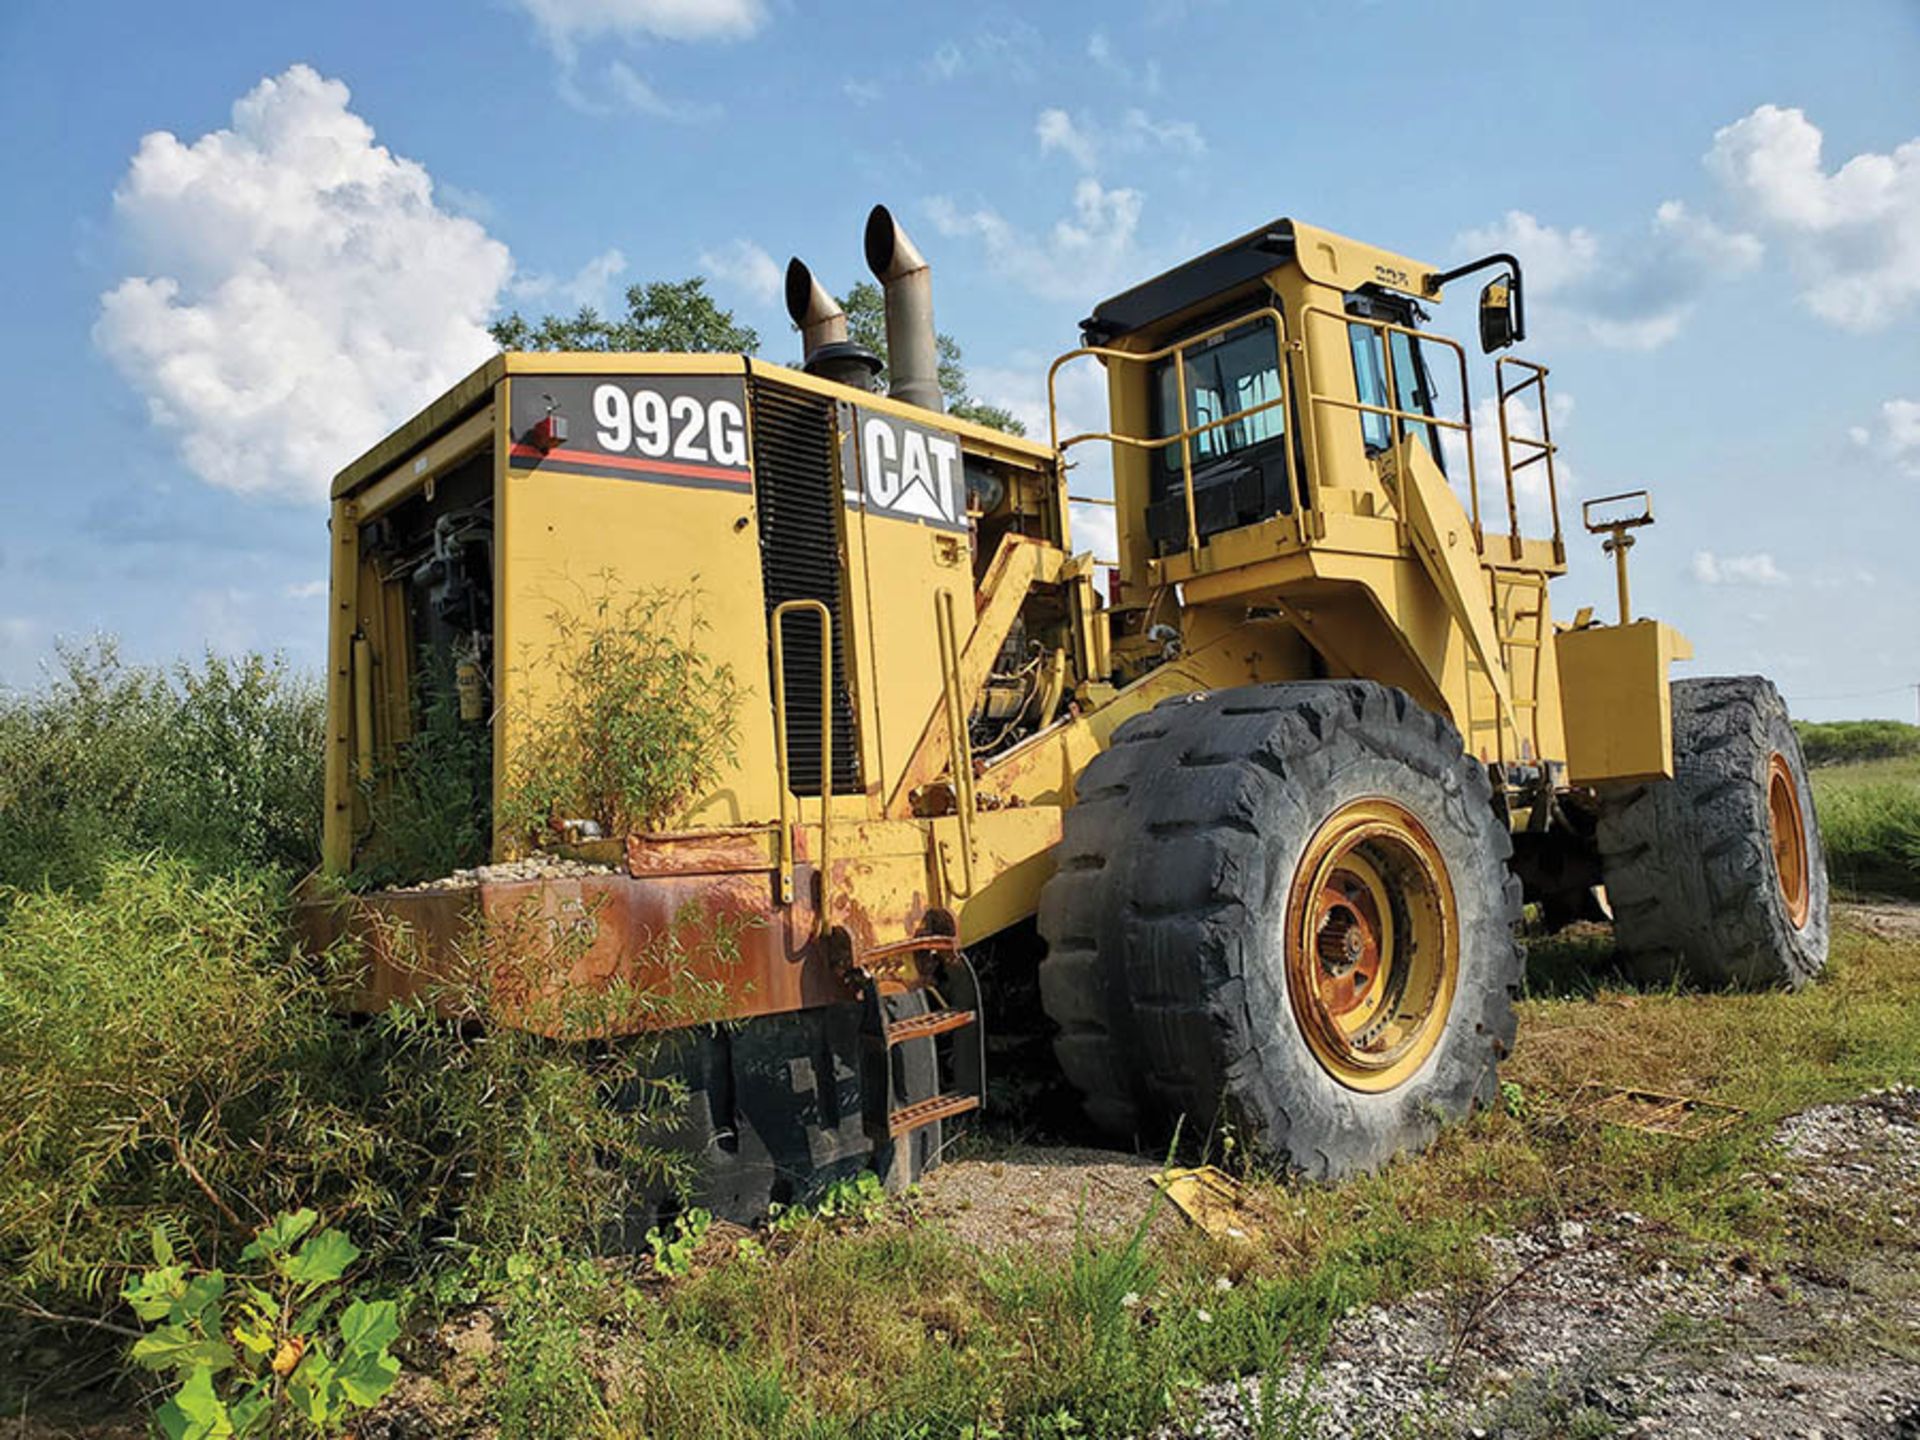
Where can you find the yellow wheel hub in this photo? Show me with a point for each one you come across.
(1373, 945)
(1787, 828)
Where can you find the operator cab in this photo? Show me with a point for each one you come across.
(1284, 372)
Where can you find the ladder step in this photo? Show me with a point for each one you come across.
(918, 944)
(909, 1118)
(1514, 642)
(925, 1027)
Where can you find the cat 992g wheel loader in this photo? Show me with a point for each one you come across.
(1274, 779)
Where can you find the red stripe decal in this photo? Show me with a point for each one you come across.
(622, 462)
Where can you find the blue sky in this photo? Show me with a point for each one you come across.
(244, 240)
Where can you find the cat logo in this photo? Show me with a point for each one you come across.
(907, 471)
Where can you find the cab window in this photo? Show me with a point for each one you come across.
(1233, 373)
(1411, 379)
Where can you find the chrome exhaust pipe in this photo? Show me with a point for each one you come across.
(813, 310)
(913, 352)
(825, 349)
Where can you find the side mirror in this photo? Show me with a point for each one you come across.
(1498, 314)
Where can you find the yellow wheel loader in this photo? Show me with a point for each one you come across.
(1261, 793)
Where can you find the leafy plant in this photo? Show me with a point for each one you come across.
(674, 1248)
(851, 1197)
(637, 720)
(281, 1363)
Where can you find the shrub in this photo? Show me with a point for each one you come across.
(1848, 742)
(636, 720)
(218, 764)
(169, 1061)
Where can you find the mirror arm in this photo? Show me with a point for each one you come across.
(1438, 278)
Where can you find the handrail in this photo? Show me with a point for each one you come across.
(1403, 418)
(1543, 448)
(1185, 436)
(959, 741)
(788, 805)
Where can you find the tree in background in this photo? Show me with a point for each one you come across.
(670, 315)
(866, 307)
(662, 315)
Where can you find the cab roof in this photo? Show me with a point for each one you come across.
(1325, 257)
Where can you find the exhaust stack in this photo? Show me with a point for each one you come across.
(913, 356)
(823, 331)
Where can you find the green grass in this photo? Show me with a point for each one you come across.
(1870, 820)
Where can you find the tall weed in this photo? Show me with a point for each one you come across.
(634, 721)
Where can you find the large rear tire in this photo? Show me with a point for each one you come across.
(1718, 877)
(1285, 909)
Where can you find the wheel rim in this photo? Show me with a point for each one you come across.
(1373, 945)
(1788, 831)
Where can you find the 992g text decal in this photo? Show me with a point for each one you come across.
(686, 430)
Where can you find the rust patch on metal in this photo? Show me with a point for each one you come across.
(536, 952)
(700, 852)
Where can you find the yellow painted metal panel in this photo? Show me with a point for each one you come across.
(1615, 699)
(558, 534)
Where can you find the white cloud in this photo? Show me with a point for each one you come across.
(745, 266)
(637, 93)
(1759, 569)
(1853, 233)
(299, 293)
(1056, 131)
(1101, 51)
(586, 286)
(305, 590)
(863, 92)
(564, 23)
(1087, 143)
(1082, 252)
(1005, 50)
(1142, 131)
(1896, 436)
(1635, 296)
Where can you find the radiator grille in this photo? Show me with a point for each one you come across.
(799, 506)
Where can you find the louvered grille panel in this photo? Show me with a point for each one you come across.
(799, 508)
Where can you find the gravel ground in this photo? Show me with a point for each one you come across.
(1585, 1333)
(534, 867)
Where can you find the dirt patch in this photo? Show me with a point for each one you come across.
(1586, 1330)
(1040, 1197)
(1883, 919)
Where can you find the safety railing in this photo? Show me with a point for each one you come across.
(1106, 503)
(1400, 420)
(1541, 448)
(788, 804)
(1186, 434)
(959, 738)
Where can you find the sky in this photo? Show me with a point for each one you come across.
(244, 241)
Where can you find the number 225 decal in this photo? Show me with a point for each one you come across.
(710, 432)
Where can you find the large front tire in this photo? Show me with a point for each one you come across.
(1285, 908)
(1718, 877)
